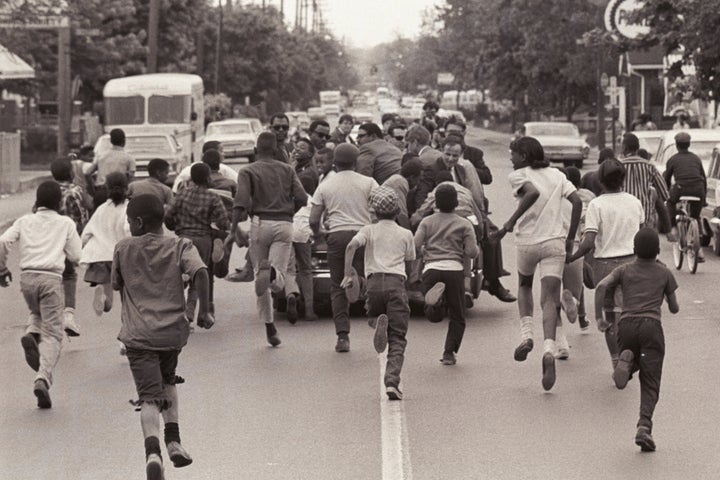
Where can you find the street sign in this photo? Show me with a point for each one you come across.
(604, 80)
(613, 81)
(620, 19)
(43, 22)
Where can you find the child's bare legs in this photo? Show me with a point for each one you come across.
(525, 308)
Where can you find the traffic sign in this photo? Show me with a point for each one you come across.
(613, 81)
(604, 80)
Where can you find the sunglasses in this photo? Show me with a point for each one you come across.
(281, 127)
(326, 136)
(399, 139)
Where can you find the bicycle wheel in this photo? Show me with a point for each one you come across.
(678, 246)
(692, 237)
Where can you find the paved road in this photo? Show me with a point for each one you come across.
(302, 411)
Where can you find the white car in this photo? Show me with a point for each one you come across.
(650, 140)
(561, 141)
(237, 136)
(702, 144)
(144, 147)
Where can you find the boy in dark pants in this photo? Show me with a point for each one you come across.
(154, 327)
(644, 284)
(446, 240)
(388, 248)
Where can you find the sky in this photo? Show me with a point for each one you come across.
(364, 23)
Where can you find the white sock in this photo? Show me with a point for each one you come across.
(560, 338)
(526, 324)
(549, 346)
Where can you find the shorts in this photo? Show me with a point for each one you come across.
(152, 370)
(98, 273)
(550, 255)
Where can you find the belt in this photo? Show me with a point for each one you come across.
(391, 275)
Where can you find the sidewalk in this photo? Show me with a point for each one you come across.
(15, 205)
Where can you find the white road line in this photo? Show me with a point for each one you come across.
(395, 446)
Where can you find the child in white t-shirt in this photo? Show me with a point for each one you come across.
(611, 222)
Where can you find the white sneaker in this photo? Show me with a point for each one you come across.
(563, 347)
(69, 325)
(569, 304)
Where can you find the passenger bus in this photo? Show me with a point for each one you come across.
(159, 102)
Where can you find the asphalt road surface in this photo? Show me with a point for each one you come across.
(302, 411)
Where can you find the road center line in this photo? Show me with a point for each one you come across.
(395, 445)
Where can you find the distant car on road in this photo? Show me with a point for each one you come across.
(561, 141)
(710, 215)
(143, 147)
(237, 136)
(702, 143)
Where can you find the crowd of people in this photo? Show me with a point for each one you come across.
(403, 212)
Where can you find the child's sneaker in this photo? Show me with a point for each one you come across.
(380, 339)
(154, 467)
(393, 393)
(241, 275)
(352, 292)
(569, 304)
(621, 374)
(123, 350)
(433, 296)
(178, 455)
(548, 365)
(42, 393)
(218, 251)
(32, 353)
(563, 348)
(522, 350)
(98, 301)
(584, 324)
(644, 439)
(448, 358)
(272, 336)
(292, 310)
(69, 325)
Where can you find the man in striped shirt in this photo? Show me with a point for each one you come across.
(644, 182)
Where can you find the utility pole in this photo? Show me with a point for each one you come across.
(64, 89)
(153, 21)
(218, 48)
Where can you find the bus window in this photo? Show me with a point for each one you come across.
(124, 110)
(168, 109)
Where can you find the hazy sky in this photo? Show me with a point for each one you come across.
(364, 23)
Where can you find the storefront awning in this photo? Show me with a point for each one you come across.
(13, 67)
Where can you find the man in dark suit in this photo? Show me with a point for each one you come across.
(455, 126)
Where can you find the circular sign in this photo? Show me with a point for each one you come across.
(620, 19)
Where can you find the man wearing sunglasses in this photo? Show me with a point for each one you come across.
(396, 135)
(377, 159)
(280, 126)
(319, 133)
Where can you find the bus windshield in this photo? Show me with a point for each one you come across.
(125, 110)
(169, 109)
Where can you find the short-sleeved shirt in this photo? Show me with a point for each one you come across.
(616, 218)
(644, 283)
(114, 160)
(346, 198)
(148, 271)
(151, 186)
(543, 220)
(387, 247)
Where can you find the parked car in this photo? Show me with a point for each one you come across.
(702, 144)
(143, 147)
(710, 214)
(237, 136)
(650, 140)
(561, 141)
(363, 116)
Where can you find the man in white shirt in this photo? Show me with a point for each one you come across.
(226, 171)
(344, 199)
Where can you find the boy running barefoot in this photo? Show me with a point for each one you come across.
(446, 240)
(645, 282)
(47, 239)
(389, 248)
(154, 327)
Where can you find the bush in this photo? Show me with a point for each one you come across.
(39, 139)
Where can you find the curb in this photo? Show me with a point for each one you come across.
(24, 185)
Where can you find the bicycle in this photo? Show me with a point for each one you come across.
(687, 243)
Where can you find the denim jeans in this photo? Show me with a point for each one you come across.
(336, 244)
(386, 294)
(270, 240)
(44, 297)
(644, 337)
(453, 302)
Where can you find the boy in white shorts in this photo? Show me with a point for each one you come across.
(542, 240)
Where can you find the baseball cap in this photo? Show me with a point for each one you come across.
(385, 201)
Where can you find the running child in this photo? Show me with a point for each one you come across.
(154, 328)
(155, 184)
(72, 205)
(445, 240)
(106, 227)
(47, 240)
(644, 282)
(389, 249)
